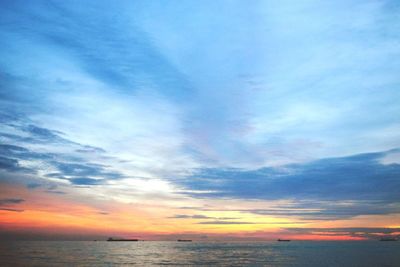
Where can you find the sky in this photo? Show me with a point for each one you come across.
(210, 120)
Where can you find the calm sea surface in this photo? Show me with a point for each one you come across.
(90, 253)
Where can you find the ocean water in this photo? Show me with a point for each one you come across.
(295, 253)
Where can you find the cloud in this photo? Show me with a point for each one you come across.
(183, 216)
(23, 153)
(13, 210)
(184, 101)
(227, 222)
(328, 210)
(115, 75)
(33, 185)
(32, 134)
(199, 216)
(242, 110)
(13, 165)
(64, 163)
(53, 189)
(358, 177)
(288, 99)
(6, 201)
(85, 181)
(78, 170)
(241, 222)
(333, 188)
(43, 134)
(57, 192)
(364, 232)
(95, 47)
(5, 204)
(5, 148)
(90, 149)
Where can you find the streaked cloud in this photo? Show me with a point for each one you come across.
(5, 201)
(199, 216)
(267, 109)
(8, 204)
(357, 177)
(363, 232)
(361, 184)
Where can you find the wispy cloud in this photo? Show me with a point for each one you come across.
(265, 101)
(361, 183)
(199, 216)
(6, 201)
(13, 210)
(7, 204)
(227, 222)
(358, 177)
(329, 210)
(364, 232)
(73, 166)
(242, 222)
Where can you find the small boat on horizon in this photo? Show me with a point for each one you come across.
(184, 240)
(283, 240)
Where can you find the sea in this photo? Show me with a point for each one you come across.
(166, 253)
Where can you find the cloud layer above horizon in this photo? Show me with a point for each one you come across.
(204, 101)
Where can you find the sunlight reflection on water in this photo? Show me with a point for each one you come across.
(90, 253)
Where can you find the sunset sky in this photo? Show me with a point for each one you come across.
(209, 120)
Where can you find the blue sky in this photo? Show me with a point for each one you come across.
(268, 100)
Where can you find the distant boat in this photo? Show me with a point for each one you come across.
(122, 239)
(388, 239)
(283, 240)
(184, 240)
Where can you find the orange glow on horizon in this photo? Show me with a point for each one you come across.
(73, 214)
(311, 237)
